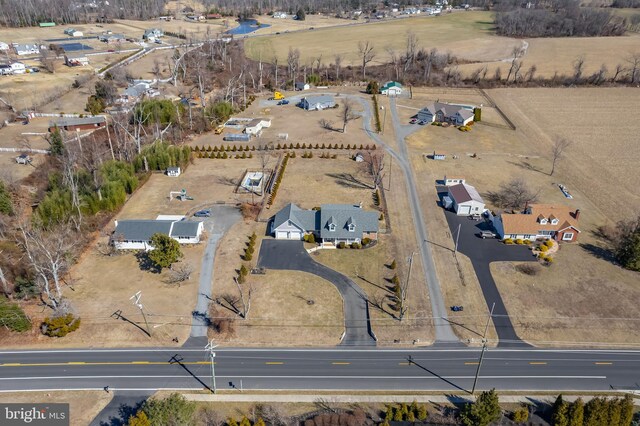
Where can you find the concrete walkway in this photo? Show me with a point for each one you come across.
(222, 218)
(291, 255)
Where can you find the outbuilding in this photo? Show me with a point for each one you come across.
(78, 60)
(391, 88)
(136, 234)
(173, 171)
(302, 86)
(319, 102)
(76, 123)
(466, 199)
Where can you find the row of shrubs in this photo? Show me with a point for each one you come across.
(234, 148)
(248, 251)
(406, 413)
(464, 128)
(343, 245)
(376, 113)
(223, 155)
(276, 185)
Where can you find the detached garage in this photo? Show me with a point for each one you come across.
(291, 223)
(466, 200)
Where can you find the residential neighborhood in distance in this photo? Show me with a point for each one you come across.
(319, 213)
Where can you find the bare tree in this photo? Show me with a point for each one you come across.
(634, 67)
(48, 60)
(513, 194)
(578, 69)
(367, 53)
(245, 297)
(515, 53)
(411, 51)
(293, 62)
(6, 287)
(348, 114)
(48, 254)
(557, 152)
(375, 166)
(619, 70)
(338, 61)
(180, 273)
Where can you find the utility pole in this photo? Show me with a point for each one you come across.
(455, 250)
(484, 348)
(212, 356)
(138, 304)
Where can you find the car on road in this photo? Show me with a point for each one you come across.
(283, 102)
(487, 234)
(413, 121)
(202, 213)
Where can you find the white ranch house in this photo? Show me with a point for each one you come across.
(332, 224)
(391, 88)
(136, 234)
(255, 126)
(319, 102)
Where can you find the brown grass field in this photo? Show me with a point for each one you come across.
(553, 56)
(466, 34)
(579, 284)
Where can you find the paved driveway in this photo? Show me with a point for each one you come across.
(482, 253)
(291, 255)
(222, 218)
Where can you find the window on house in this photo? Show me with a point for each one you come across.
(352, 228)
(332, 227)
(567, 236)
(554, 221)
(543, 221)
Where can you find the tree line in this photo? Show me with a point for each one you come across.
(26, 13)
(556, 18)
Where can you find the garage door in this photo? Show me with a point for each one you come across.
(295, 235)
(464, 210)
(281, 235)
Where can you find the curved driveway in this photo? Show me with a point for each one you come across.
(291, 255)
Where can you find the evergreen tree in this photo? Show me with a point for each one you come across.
(595, 412)
(626, 411)
(6, 206)
(140, 419)
(614, 411)
(485, 410)
(166, 250)
(173, 410)
(55, 142)
(300, 15)
(560, 412)
(576, 413)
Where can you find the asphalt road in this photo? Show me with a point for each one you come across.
(443, 330)
(482, 253)
(291, 255)
(312, 369)
(222, 218)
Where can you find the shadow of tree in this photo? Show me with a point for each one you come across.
(599, 252)
(349, 181)
(146, 264)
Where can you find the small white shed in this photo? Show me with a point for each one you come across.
(466, 199)
(173, 171)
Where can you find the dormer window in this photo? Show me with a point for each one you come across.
(542, 220)
(332, 227)
(554, 221)
(352, 227)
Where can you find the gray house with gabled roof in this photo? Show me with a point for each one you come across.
(333, 223)
(446, 113)
(318, 102)
(136, 234)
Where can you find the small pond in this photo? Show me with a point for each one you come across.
(246, 27)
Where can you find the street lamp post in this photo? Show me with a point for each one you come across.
(212, 356)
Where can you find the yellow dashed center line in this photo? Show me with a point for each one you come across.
(538, 363)
(140, 362)
(603, 363)
(404, 363)
(340, 363)
(77, 363)
(274, 363)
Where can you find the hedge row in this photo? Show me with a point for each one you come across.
(234, 148)
(276, 185)
(377, 113)
(223, 155)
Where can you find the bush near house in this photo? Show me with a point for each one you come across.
(508, 241)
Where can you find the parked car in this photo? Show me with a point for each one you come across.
(422, 122)
(413, 121)
(487, 234)
(202, 213)
(456, 308)
(283, 102)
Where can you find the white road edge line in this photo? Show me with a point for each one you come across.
(304, 377)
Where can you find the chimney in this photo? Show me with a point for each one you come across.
(576, 215)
